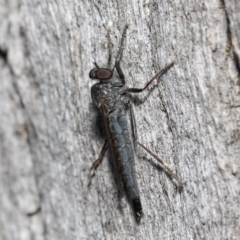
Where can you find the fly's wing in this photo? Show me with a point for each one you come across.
(110, 144)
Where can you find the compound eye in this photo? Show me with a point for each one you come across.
(92, 73)
(104, 74)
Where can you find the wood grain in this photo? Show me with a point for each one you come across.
(190, 119)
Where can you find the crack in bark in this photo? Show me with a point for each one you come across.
(229, 39)
(4, 54)
(38, 210)
(30, 128)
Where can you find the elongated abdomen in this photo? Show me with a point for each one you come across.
(123, 152)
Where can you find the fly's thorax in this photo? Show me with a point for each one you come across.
(109, 93)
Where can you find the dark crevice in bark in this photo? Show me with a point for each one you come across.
(4, 54)
(98, 9)
(30, 128)
(31, 131)
(38, 210)
(229, 38)
(237, 62)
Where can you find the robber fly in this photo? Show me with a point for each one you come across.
(111, 97)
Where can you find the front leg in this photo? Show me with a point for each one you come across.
(121, 47)
(120, 72)
(159, 74)
(119, 54)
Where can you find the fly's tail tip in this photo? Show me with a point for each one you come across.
(139, 216)
(137, 209)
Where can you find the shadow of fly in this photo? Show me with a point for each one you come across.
(112, 98)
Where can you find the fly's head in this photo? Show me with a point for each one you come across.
(100, 91)
(101, 74)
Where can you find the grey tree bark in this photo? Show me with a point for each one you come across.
(191, 119)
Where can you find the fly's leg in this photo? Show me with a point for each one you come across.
(121, 48)
(166, 167)
(96, 65)
(133, 126)
(159, 74)
(120, 72)
(109, 48)
(97, 162)
(119, 55)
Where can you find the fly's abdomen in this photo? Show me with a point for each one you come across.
(124, 156)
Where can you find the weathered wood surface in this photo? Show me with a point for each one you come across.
(191, 119)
